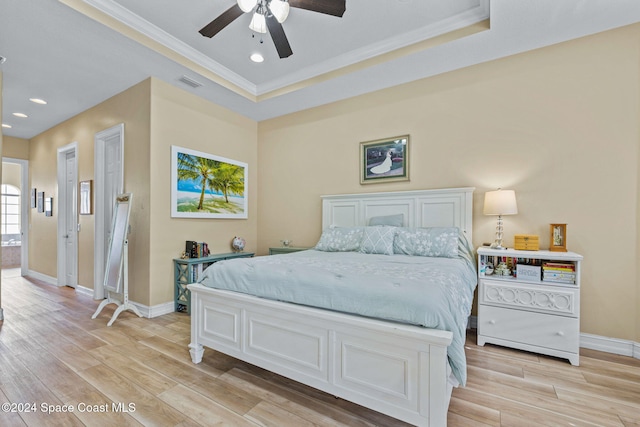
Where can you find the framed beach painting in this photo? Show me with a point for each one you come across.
(384, 160)
(207, 186)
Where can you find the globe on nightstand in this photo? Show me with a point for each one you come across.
(238, 244)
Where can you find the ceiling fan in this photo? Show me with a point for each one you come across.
(269, 15)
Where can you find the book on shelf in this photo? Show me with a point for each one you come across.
(560, 266)
(196, 249)
(563, 281)
(559, 274)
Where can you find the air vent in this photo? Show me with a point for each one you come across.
(189, 82)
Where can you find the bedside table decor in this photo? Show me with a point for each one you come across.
(558, 238)
(237, 244)
(500, 202)
(526, 242)
(538, 308)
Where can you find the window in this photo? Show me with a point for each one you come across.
(10, 226)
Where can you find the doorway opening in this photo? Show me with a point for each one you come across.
(14, 220)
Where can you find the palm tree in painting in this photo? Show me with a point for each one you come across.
(228, 179)
(198, 169)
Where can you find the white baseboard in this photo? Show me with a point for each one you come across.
(146, 311)
(48, 279)
(610, 345)
(595, 342)
(85, 291)
(156, 310)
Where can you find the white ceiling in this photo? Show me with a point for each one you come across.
(68, 53)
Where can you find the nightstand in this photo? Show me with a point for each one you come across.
(535, 305)
(285, 250)
(187, 270)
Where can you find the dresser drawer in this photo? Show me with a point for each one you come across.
(536, 329)
(545, 299)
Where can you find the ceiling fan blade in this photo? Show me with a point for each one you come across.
(226, 18)
(279, 37)
(329, 7)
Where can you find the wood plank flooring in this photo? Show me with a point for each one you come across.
(138, 372)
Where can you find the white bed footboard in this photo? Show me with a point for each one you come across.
(396, 369)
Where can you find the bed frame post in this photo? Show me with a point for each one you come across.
(195, 348)
(439, 388)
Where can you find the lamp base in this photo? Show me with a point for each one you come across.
(497, 245)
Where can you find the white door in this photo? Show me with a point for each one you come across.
(109, 149)
(70, 223)
(67, 216)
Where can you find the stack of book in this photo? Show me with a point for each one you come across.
(559, 272)
(196, 249)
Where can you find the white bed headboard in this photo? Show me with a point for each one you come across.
(446, 207)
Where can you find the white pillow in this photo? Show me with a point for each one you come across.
(340, 239)
(378, 240)
(433, 242)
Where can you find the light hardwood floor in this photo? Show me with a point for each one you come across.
(53, 354)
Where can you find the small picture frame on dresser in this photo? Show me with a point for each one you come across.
(558, 237)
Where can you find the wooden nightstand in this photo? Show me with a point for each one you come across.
(188, 270)
(538, 308)
(285, 250)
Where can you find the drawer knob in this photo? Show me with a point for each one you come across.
(560, 333)
(492, 322)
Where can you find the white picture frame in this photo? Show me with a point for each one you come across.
(207, 186)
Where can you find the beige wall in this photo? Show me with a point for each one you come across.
(11, 175)
(156, 115)
(16, 148)
(558, 125)
(179, 118)
(130, 107)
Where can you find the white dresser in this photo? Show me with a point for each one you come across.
(533, 304)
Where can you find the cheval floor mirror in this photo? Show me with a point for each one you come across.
(116, 276)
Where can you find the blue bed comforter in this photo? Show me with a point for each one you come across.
(430, 292)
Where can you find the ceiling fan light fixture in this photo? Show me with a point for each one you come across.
(258, 22)
(256, 57)
(279, 9)
(247, 5)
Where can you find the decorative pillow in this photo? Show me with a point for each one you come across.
(378, 240)
(434, 242)
(392, 220)
(340, 239)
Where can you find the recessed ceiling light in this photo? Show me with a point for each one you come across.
(4, 125)
(256, 57)
(38, 101)
(23, 115)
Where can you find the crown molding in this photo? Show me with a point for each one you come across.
(146, 28)
(123, 15)
(469, 17)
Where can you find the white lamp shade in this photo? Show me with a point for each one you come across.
(258, 23)
(247, 5)
(279, 9)
(500, 202)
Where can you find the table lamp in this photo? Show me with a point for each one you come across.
(500, 202)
